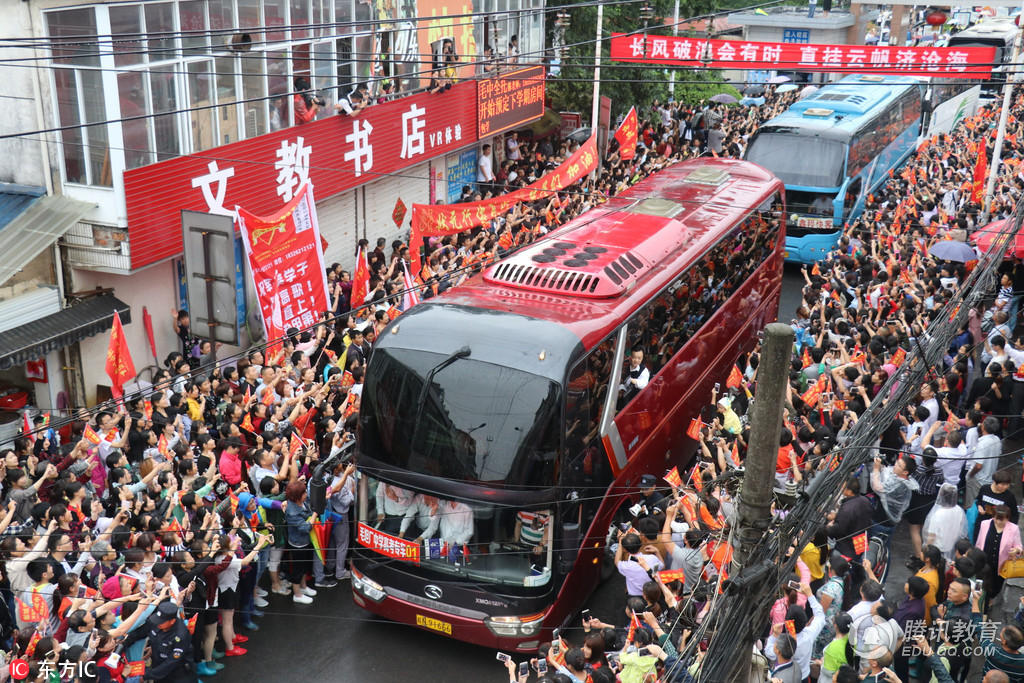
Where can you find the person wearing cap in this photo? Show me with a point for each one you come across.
(648, 489)
(170, 644)
(730, 420)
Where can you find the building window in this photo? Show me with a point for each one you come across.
(78, 91)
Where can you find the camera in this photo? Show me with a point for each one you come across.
(914, 564)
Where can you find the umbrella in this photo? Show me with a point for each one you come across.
(952, 250)
(985, 238)
(724, 98)
(320, 535)
(754, 90)
(808, 91)
(775, 80)
(788, 87)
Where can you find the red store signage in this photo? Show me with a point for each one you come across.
(264, 173)
(948, 62)
(386, 544)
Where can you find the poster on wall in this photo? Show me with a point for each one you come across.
(35, 371)
(287, 264)
(461, 173)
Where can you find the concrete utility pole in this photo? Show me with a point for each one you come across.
(997, 150)
(595, 108)
(759, 472)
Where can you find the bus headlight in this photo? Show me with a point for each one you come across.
(515, 626)
(367, 587)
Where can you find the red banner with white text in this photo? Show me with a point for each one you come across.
(287, 264)
(446, 219)
(948, 62)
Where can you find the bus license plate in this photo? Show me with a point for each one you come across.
(815, 223)
(434, 624)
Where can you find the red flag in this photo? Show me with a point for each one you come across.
(147, 321)
(347, 380)
(147, 409)
(295, 446)
(735, 378)
(26, 427)
(248, 395)
(735, 454)
(268, 397)
(805, 358)
(360, 281)
(161, 446)
(627, 135)
(810, 397)
(696, 479)
(815, 270)
(119, 360)
(673, 478)
(791, 627)
(860, 543)
(247, 423)
(980, 171)
(693, 431)
(898, 357)
(91, 436)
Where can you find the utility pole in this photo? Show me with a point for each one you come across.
(755, 498)
(675, 32)
(596, 106)
(997, 150)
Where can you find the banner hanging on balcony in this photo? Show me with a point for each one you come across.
(946, 62)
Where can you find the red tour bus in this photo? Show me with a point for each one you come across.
(496, 441)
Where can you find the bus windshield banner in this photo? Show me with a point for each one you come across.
(948, 62)
(386, 544)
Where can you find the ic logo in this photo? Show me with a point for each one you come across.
(433, 592)
(19, 669)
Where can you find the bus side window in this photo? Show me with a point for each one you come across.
(853, 191)
(587, 463)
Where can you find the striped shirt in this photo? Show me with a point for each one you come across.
(997, 657)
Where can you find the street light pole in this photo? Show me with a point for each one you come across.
(993, 171)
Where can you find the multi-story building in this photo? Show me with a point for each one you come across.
(128, 113)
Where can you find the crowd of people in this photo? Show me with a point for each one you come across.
(938, 476)
(144, 541)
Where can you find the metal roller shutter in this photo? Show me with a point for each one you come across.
(412, 186)
(337, 217)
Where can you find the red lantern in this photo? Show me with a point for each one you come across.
(936, 18)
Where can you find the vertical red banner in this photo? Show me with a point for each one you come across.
(287, 264)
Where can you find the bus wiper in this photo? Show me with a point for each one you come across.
(461, 353)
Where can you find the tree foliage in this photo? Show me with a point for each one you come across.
(626, 84)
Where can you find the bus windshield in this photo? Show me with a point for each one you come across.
(796, 160)
(475, 421)
(998, 43)
(480, 541)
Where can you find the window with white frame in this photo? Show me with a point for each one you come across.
(187, 75)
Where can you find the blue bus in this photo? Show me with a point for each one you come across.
(834, 148)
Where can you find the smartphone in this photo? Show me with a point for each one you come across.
(554, 634)
(644, 651)
(795, 585)
(126, 504)
(524, 669)
(892, 322)
(555, 649)
(977, 585)
(718, 387)
(542, 666)
(502, 657)
(585, 615)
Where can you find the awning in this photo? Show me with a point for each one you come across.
(30, 223)
(38, 338)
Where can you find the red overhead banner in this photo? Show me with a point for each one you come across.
(263, 173)
(287, 264)
(948, 62)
